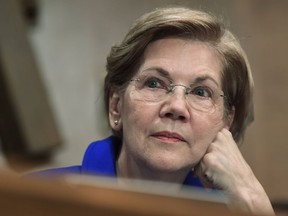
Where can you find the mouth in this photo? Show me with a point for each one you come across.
(167, 136)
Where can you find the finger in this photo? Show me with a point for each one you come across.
(204, 175)
(206, 181)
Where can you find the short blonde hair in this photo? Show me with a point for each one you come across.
(237, 82)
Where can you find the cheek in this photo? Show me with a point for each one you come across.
(207, 126)
(137, 119)
(136, 115)
(204, 131)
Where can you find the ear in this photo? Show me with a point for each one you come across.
(115, 111)
(229, 119)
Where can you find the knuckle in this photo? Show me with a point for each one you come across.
(211, 161)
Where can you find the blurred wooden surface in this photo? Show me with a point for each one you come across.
(27, 197)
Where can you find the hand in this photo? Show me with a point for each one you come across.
(224, 168)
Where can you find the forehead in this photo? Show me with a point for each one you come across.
(183, 59)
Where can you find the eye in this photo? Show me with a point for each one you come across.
(202, 91)
(154, 82)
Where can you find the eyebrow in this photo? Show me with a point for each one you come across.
(161, 71)
(166, 74)
(204, 78)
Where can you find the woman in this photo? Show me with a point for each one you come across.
(178, 95)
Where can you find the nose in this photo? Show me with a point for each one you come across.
(175, 106)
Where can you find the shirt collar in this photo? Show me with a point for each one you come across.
(100, 157)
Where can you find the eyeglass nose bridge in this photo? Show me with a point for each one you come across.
(172, 88)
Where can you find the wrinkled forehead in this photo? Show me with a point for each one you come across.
(182, 60)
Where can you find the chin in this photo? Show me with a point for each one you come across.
(169, 164)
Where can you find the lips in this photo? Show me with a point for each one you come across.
(168, 136)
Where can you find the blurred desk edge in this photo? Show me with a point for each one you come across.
(23, 196)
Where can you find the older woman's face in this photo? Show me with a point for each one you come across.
(171, 133)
